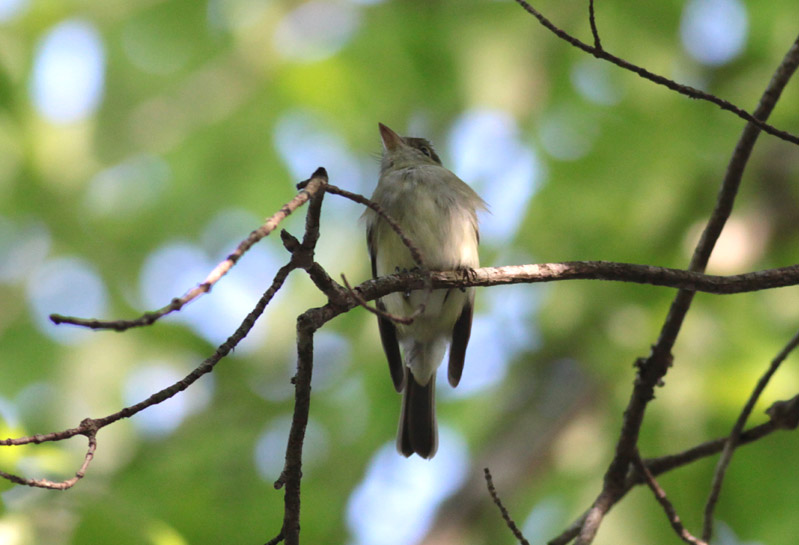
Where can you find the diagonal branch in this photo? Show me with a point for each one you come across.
(377, 310)
(416, 253)
(90, 426)
(148, 318)
(789, 413)
(503, 511)
(734, 437)
(663, 500)
(686, 90)
(654, 368)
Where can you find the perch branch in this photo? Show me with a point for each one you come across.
(585, 270)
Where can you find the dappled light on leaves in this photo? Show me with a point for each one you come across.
(714, 31)
(69, 72)
(395, 489)
(149, 157)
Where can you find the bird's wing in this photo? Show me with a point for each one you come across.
(460, 338)
(388, 331)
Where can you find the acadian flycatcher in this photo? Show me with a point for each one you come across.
(438, 212)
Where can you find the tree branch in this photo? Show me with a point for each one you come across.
(68, 483)
(789, 412)
(585, 270)
(505, 515)
(291, 476)
(416, 253)
(90, 426)
(663, 500)
(592, 21)
(654, 368)
(311, 186)
(686, 90)
(732, 440)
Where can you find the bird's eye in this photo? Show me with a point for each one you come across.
(426, 151)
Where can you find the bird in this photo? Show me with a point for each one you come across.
(437, 211)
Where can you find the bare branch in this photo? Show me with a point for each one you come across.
(686, 90)
(416, 253)
(61, 485)
(651, 370)
(488, 276)
(585, 270)
(594, 31)
(90, 426)
(660, 495)
(378, 311)
(732, 440)
(663, 464)
(505, 515)
(291, 475)
(148, 318)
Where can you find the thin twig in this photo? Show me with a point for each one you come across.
(686, 90)
(61, 485)
(505, 515)
(378, 311)
(148, 318)
(594, 31)
(663, 464)
(90, 426)
(416, 253)
(732, 440)
(663, 500)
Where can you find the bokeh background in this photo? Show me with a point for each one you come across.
(141, 140)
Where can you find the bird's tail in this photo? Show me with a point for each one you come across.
(418, 432)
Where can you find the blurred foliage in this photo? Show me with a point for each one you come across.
(208, 97)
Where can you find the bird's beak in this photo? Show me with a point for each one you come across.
(391, 140)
